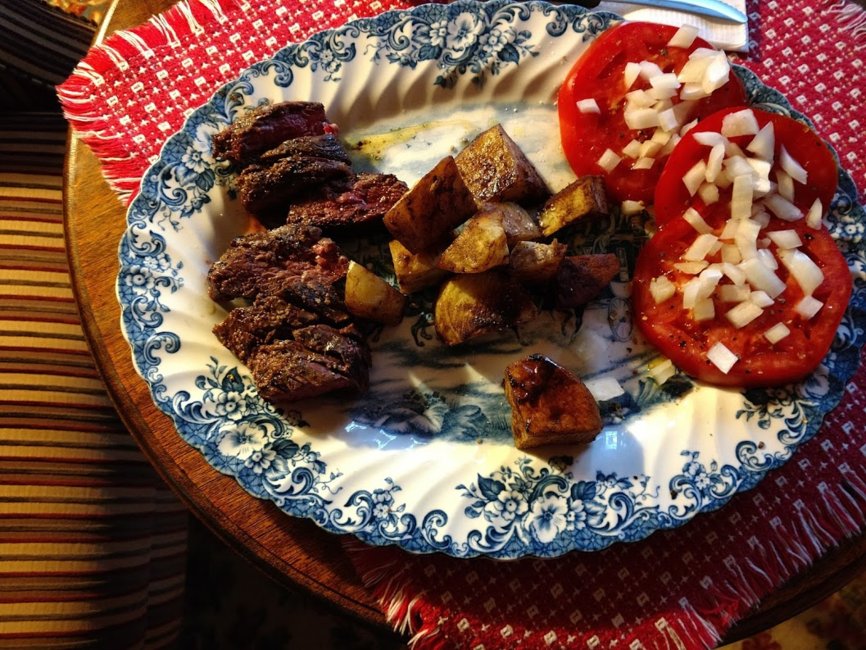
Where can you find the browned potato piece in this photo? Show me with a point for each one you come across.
(581, 278)
(536, 263)
(518, 223)
(496, 169)
(583, 197)
(549, 404)
(480, 246)
(414, 271)
(435, 205)
(369, 296)
(480, 303)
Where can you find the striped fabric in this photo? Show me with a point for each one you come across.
(92, 544)
(40, 45)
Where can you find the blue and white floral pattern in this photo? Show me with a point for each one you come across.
(425, 460)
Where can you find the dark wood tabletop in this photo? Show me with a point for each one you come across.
(291, 550)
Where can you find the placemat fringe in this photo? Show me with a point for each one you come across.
(852, 19)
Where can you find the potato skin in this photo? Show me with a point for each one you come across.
(581, 198)
(481, 303)
(536, 263)
(369, 296)
(428, 213)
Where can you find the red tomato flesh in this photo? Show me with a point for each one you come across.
(672, 198)
(686, 342)
(598, 74)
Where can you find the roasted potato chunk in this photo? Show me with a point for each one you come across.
(414, 271)
(369, 296)
(496, 169)
(481, 245)
(549, 404)
(480, 303)
(518, 223)
(535, 262)
(581, 278)
(428, 213)
(583, 197)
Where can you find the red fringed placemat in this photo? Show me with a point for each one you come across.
(677, 589)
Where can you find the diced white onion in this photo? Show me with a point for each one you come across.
(813, 216)
(687, 127)
(630, 74)
(734, 273)
(588, 106)
(783, 208)
(808, 307)
(709, 138)
(703, 310)
(803, 269)
(717, 73)
(668, 120)
(777, 332)
(738, 166)
(760, 167)
(785, 185)
(649, 148)
(629, 207)
(709, 193)
(785, 238)
(694, 178)
(709, 279)
(762, 278)
(700, 247)
(722, 357)
(643, 163)
(741, 198)
(648, 70)
(733, 293)
(683, 37)
(661, 136)
(609, 160)
(696, 67)
(740, 123)
(694, 218)
(669, 146)
(693, 92)
(691, 268)
(641, 118)
(760, 216)
(746, 238)
(723, 180)
(743, 314)
(767, 258)
(662, 95)
(764, 142)
(761, 299)
(792, 167)
(714, 162)
(632, 149)
(668, 80)
(691, 289)
(662, 371)
(604, 388)
(661, 289)
(729, 232)
(731, 254)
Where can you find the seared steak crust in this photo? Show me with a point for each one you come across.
(268, 259)
(367, 200)
(266, 127)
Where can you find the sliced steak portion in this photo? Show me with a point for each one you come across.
(269, 318)
(266, 127)
(367, 200)
(269, 259)
(350, 353)
(326, 146)
(265, 189)
(287, 371)
(309, 292)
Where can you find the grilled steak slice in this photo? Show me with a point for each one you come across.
(269, 258)
(265, 189)
(268, 319)
(266, 127)
(367, 200)
(287, 371)
(350, 352)
(325, 146)
(309, 292)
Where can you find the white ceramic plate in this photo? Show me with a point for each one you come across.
(425, 459)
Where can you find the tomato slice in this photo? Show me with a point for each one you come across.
(686, 342)
(672, 198)
(599, 74)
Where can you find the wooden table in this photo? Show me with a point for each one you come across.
(292, 550)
